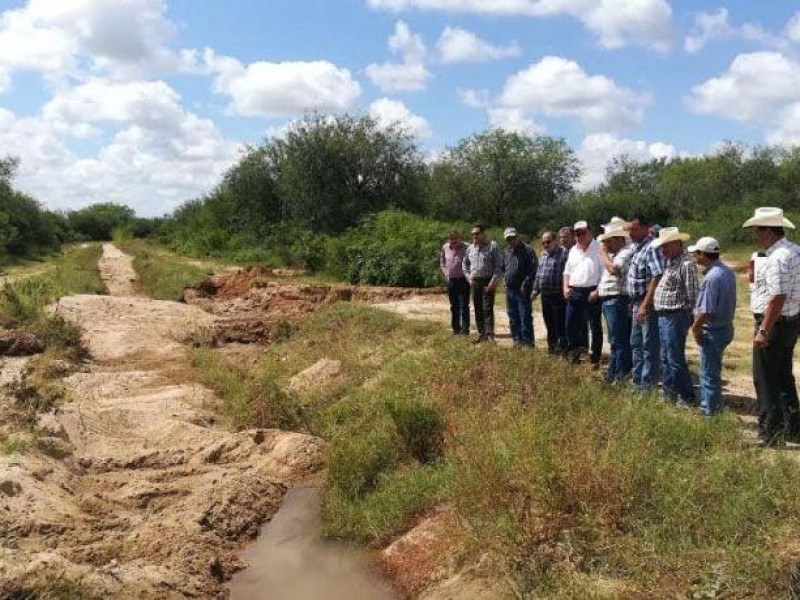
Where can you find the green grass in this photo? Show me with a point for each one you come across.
(562, 481)
(162, 274)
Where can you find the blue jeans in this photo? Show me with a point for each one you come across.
(520, 316)
(618, 323)
(458, 294)
(673, 326)
(581, 316)
(645, 349)
(713, 345)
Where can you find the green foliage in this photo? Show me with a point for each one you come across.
(160, 274)
(98, 221)
(501, 178)
(420, 426)
(390, 248)
(356, 463)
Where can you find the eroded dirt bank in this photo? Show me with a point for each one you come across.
(146, 498)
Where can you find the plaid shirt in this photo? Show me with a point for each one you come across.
(614, 285)
(779, 276)
(646, 263)
(550, 275)
(677, 289)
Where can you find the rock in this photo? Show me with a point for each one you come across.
(316, 375)
(10, 488)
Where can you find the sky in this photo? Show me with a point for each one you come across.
(149, 102)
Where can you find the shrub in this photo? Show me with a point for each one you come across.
(421, 427)
(358, 461)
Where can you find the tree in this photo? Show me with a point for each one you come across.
(333, 170)
(98, 221)
(502, 178)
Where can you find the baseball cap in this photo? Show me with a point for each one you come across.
(580, 225)
(509, 232)
(705, 244)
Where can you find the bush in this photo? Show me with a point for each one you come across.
(421, 427)
(358, 461)
(390, 248)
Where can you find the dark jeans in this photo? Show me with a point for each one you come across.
(554, 312)
(616, 310)
(713, 346)
(673, 326)
(520, 316)
(775, 384)
(458, 293)
(483, 302)
(645, 349)
(583, 315)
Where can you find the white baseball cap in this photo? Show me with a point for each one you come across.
(509, 233)
(580, 225)
(705, 244)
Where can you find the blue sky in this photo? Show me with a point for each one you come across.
(147, 102)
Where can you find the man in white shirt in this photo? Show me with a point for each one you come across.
(775, 302)
(581, 276)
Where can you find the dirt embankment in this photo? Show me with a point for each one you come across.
(252, 306)
(145, 497)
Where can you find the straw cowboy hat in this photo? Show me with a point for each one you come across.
(669, 234)
(768, 216)
(614, 228)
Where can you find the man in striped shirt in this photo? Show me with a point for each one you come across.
(615, 254)
(674, 301)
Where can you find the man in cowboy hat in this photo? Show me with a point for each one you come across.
(581, 277)
(674, 300)
(644, 273)
(775, 302)
(519, 268)
(713, 321)
(615, 254)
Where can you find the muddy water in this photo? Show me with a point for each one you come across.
(291, 561)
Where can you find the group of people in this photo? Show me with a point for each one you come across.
(643, 281)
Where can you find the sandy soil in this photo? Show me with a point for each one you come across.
(146, 498)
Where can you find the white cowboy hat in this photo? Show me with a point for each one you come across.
(615, 222)
(611, 232)
(669, 234)
(768, 216)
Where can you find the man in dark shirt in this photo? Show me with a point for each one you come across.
(519, 268)
(548, 285)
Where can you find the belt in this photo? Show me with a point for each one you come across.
(669, 311)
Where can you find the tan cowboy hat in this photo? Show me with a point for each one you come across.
(768, 216)
(615, 222)
(669, 234)
(611, 232)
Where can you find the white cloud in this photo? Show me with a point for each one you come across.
(598, 150)
(159, 156)
(408, 75)
(459, 45)
(123, 39)
(615, 23)
(709, 27)
(475, 98)
(786, 131)
(792, 29)
(393, 113)
(513, 119)
(558, 87)
(753, 87)
(283, 88)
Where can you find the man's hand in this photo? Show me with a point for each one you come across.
(641, 314)
(567, 293)
(697, 334)
(491, 286)
(594, 297)
(471, 282)
(761, 340)
(534, 295)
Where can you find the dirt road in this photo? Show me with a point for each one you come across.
(147, 497)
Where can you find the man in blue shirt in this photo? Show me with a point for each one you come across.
(713, 321)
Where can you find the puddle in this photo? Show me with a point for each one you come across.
(291, 561)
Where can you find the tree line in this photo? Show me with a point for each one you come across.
(28, 230)
(344, 195)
